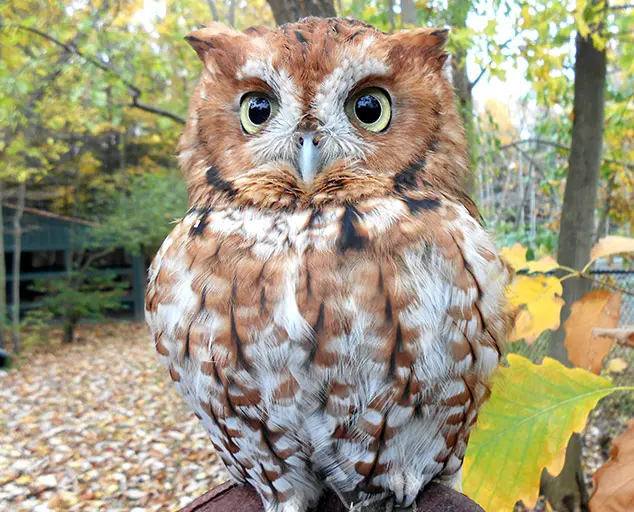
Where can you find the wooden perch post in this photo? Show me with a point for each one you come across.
(230, 497)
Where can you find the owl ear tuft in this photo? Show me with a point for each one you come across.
(425, 38)
(213, 36)
(429, 41)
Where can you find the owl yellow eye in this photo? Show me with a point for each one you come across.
(256, 109)
(371, 109)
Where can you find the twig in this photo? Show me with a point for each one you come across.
(94, 257)
(154, 110)
(584, 275)
(558, 145)
(486, 68)
(623, 335)
(134, 91)
(38, 492)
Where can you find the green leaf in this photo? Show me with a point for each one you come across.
(525, 427)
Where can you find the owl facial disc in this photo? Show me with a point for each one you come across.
(308, 156)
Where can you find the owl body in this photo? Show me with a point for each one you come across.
(332, 314)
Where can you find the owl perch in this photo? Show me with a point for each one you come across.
(623, 335)
(230, 497)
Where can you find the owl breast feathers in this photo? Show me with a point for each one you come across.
(330, 307)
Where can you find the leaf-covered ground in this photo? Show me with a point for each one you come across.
(98, 426)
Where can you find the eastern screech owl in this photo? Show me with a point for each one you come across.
(330, 306)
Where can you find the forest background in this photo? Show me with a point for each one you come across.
(93, 97)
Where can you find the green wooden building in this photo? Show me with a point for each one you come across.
(47, 239)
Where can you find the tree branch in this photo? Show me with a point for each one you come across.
(623, 335)
(480, 75)
(154, 110)
(558, 145)
(94, 257)
(134, 91)
(486, 68)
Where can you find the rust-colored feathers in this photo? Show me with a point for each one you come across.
(337, 330)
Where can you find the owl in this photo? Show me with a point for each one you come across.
(330, 307)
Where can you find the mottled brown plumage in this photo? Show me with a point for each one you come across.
(332, 312)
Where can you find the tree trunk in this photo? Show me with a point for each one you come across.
(17, 253)
(231, 14)
(288, 11)
(533, 208)
(70, 322)
(457, 16)
(408, 14)
(3, 273)
(212, 8)
(604, 220)
(576, 234)
(390, 15)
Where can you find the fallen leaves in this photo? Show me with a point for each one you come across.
(614, 481)
(100, 427)
(600, 308)
(525, 427)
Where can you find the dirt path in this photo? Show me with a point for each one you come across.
(98, 426)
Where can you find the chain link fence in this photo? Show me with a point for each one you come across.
(623, 279)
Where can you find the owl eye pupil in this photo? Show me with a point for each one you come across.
(368, 109)
(259, 110)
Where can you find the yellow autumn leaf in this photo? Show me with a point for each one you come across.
(545, 264)
(538, 298)
(527, 289)
(525, 427)
(523, 328)
(516, 256)
(546, 314)
(611, 245)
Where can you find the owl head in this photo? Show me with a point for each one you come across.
(319, 112)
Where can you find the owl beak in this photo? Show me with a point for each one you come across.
(308, 156)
